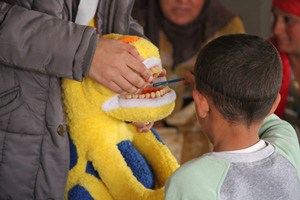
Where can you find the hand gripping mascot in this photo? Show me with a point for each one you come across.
(109, 158)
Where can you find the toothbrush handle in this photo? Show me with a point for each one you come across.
(167, 82)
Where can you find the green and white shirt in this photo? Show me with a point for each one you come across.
(268, 170)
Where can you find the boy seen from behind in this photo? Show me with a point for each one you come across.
(256, 155)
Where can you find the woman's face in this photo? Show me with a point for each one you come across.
(181, 12)
(286, 29)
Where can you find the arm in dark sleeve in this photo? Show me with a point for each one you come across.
(35, 41)
(135, 28)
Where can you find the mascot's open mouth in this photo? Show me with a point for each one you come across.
(148, 97)
(150, 92)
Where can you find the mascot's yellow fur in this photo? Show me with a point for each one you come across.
(109, 158)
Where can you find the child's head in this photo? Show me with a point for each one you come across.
(241, 75)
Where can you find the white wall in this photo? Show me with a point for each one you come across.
(256, 15)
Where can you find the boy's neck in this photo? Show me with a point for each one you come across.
(227, 136)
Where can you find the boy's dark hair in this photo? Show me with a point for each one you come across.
(241, 74)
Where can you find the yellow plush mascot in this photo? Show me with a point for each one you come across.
(109, 158)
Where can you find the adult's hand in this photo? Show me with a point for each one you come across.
(118, 66)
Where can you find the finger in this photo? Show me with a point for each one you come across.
(188, 76)
(142, 130)
(125, 85)
(189, 79)
(149, 125)
(139, 67)
(109, 83)
(139, 124)
(133, 51)
(114, 87)
(134, 78)
(163, 73)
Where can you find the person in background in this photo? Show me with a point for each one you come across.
(286, 38)
(180, 28)
(255, 153)
(40, 44)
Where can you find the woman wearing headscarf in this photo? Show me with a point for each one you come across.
(286, 37)
(180, 28)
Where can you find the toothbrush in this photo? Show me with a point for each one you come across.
(167, 82)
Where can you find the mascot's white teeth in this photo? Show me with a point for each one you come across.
(149, 95)
(117, 102)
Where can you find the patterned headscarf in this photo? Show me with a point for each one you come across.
(289, 6)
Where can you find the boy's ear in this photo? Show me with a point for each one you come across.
(275, 104)
(201, 104)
